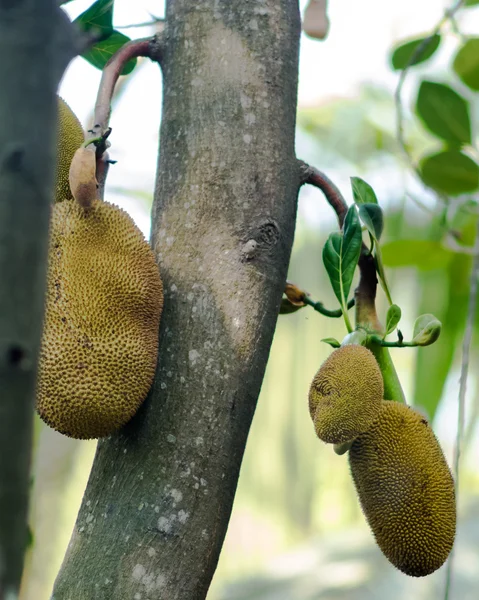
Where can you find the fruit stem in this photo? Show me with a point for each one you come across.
(392, 386)
(319, 307)
(367, 318)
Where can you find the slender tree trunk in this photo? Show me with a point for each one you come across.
(35, 47)
(159, 498)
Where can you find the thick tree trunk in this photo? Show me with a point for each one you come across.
(35, 47)
(160, 494)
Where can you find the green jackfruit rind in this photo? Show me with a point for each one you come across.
(346, 394)
(100, 335)
(70, 138)
(406, 489)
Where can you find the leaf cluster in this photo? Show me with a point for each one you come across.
(446, 113)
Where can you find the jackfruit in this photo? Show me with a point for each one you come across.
(406, 489)
(346, 394)
(103, 308)
(70, 138)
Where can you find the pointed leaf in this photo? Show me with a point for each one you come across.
(405, 54)
(466, 64)
(98, 16)
(332, 342)
(362, 192)
(392, 318)
(444, 112)
(101, 52)
(372, 216)
(450, 172)
(341, 255)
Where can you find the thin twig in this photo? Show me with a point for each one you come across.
(318, 179)
(147, 47)
(466, 348)
(448, 14)
(111, 73)
(319, 307)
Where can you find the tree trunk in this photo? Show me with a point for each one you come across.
(35, 47)
(159, 498)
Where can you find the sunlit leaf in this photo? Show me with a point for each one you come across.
(405, 54)
(363, 193)
(444, 112)
(423, 254)
(450, 172)
(372, 216)
(392, 318)
(466, 63)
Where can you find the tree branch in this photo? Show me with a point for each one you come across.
(158, 502)
(36, 44)
(318, 179)
(152, 48)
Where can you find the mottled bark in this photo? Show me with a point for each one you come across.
(157, 505)
(35, 47)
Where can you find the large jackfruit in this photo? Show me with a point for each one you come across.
(70, 138)
(406, 489)
(346, 394)
(103, 307)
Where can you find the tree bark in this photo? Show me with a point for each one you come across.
(35, 47)
(159, 498)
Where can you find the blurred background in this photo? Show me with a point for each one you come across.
(297, 531)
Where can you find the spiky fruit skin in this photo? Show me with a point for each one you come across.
(406, 489)
(346, 394)
(70, 138)
(103, 308)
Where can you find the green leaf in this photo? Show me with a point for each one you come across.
(404, 55)
(363, 193)
(466, 64)
(332, 342)
(450, 172)
(423, 254)
(101, 53)
(392, 318)
(372, 216)
(98, 16)
(471, 2)
(426, 330)
(340, 256)
(444, 112)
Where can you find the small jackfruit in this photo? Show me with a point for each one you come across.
(103, 307)
(346, 394)
(70, 138)
(406, 489)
